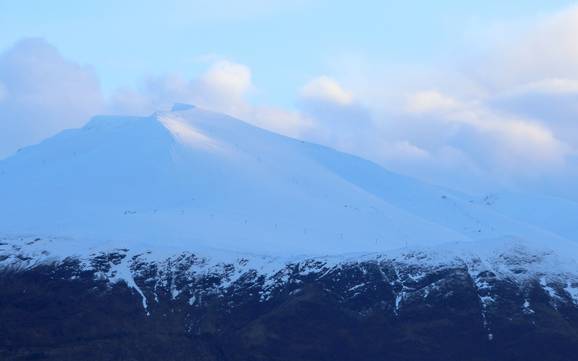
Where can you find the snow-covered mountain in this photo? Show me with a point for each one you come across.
(191, 178)
(200, 211)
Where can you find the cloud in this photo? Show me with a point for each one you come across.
(437, 137)
(417, 140)
(326, 89)
(553, 102)
(224, 87)
(429, 101)
(42, 93)
(502, 142)
(507, 116)
(287, 122)
(548, 86)
(530, 78)
(544, 48)
(335, 118)
(531, 72)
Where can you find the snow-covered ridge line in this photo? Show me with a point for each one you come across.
(409, 272)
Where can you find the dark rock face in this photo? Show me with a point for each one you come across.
(368, 310)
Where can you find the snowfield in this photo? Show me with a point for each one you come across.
(190, 180)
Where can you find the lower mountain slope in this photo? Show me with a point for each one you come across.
(412, 304)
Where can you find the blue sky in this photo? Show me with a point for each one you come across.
(473, 95)
(284, 44)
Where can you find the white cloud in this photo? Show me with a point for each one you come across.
(552, 102)
(509, 114)
(545, 48)
(430, 101)
(42, 93)
(227, 76)
(548, 86)
(507, 143)
(225, 87)
(287, 122)
(433, 127)
(326, 89)
(336, 120)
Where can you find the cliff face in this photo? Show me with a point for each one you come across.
(373, 307)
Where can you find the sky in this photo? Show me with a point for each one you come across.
(477, 95)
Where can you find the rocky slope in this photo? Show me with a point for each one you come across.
(415, 304)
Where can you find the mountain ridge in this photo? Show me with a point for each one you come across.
(196, 166)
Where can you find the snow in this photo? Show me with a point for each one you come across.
(572, 290)
(193, 180)
(526, 308)
(398, 300)
(122, 273)
(549, 289)
(557, 215)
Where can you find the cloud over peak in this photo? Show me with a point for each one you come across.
(42, 93)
